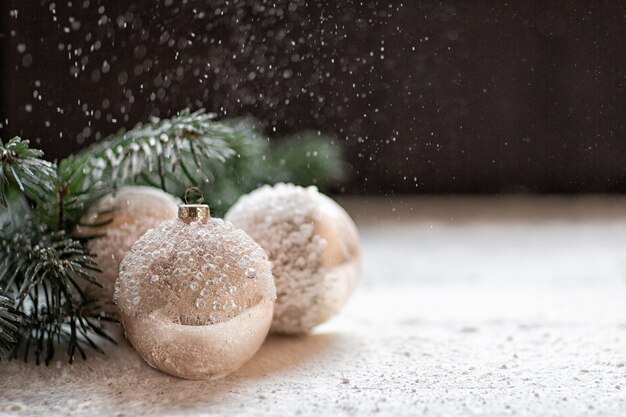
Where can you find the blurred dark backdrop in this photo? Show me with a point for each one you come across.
(459, 96)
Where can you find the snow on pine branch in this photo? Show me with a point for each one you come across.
(158, 147)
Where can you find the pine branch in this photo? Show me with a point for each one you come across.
(25, 176)
(183, 143)
(22, 169)
(76, 192)
(41, 266)
(41, 271)
(305, 159)
(223, 182)
(225, 159)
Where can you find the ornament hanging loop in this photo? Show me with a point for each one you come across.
(193, 212)
(197, 190)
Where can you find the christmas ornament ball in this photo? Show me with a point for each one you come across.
(196, 296)
(116, 221)
(314, 247)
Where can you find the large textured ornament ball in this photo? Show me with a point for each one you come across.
(314, 246)
(118, 220)
(196, 296)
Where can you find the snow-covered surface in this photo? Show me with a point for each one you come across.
(496, 306)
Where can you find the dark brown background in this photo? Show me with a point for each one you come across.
(473, 96)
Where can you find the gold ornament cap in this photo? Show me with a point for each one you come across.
(193, 212)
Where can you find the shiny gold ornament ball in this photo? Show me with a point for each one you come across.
(313, 245)
(196, 296)
(116, 221)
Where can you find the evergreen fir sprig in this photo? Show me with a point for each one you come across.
(43, 272)
(225, 159)
(41, 265)
(22, 167)
(222, 182)
(76, 192)
(185, 142)
(304, 159)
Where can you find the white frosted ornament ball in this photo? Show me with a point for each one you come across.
(196, 296)
(313, 245)
(124, 216)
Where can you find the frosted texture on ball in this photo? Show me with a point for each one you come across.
(314, 246)
(130, 212)
(196, 300)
